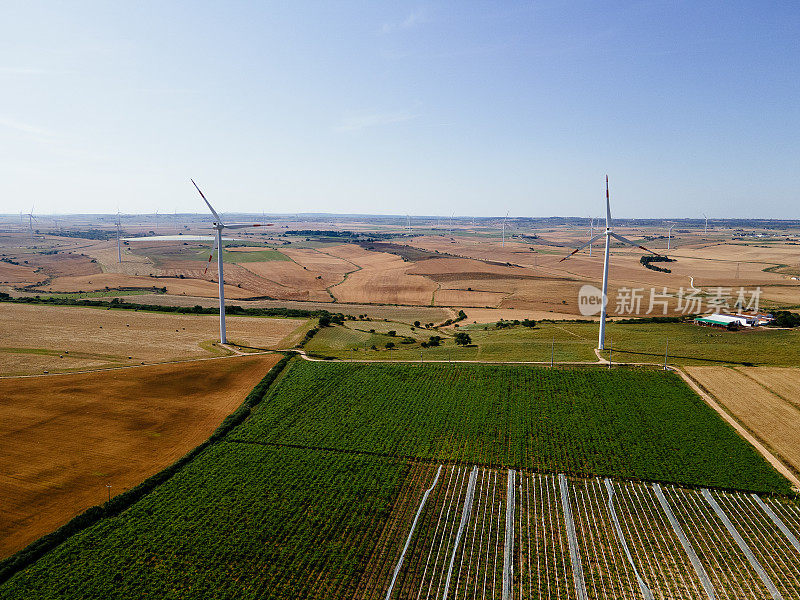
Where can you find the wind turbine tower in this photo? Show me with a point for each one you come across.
(504, 229)
(705, 231)
(218, 227)
(31, 219)
(669, 235)
(119, 245)
(608, 234)
(591, 234)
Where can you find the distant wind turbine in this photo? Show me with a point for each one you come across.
(608, 234)
(119, 246)
(218, 227)
(669, 235)
(31, 219)
(504, 229)
(705, 231)
(591, 234)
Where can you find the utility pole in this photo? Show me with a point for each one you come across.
(108, 485)
(666, 351)
(552, 351)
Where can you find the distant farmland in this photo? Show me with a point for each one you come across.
(407, 481)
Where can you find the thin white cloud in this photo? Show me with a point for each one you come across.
(414, 18)
(21, 71)
(27, 128)
(365, 120)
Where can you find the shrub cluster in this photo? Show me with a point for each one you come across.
(785, 318)
(648, 259)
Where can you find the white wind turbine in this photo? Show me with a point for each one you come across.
(218, 227)
(608, 234)
(669, 235)
(31, 219)
(504, 229)
(119, 245)
(591, 234)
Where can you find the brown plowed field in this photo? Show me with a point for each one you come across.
(64, 437)
(17, 274)
(61, 264)
(753, 396)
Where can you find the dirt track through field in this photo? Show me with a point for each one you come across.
(64, 438)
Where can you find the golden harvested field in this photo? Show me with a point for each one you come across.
(35, 337)
(318, 261)
(467, 298)
(448, 269)
(286, 279)
(382, 278)
(783, 381)
(175, 286)
(64, 437)
(755, 396)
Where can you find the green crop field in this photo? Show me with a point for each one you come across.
(200, 252)
(241, 521)
(625, 423)
(572, 342)
(567, 343)
(693, 345)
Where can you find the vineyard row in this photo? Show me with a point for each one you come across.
(486, 533)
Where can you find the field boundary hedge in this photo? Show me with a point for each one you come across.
(278, 311)
(34, 551)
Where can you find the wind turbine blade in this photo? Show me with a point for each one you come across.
(608, 206)
(211, 208)
(634, 244)
(211, 256)
(591, 241)
(243, 225)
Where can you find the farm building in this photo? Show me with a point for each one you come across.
(718, 320)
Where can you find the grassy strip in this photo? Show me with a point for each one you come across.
(103, 293)
(184, 310)
(29, 555)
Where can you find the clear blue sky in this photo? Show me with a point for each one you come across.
(392, 108)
